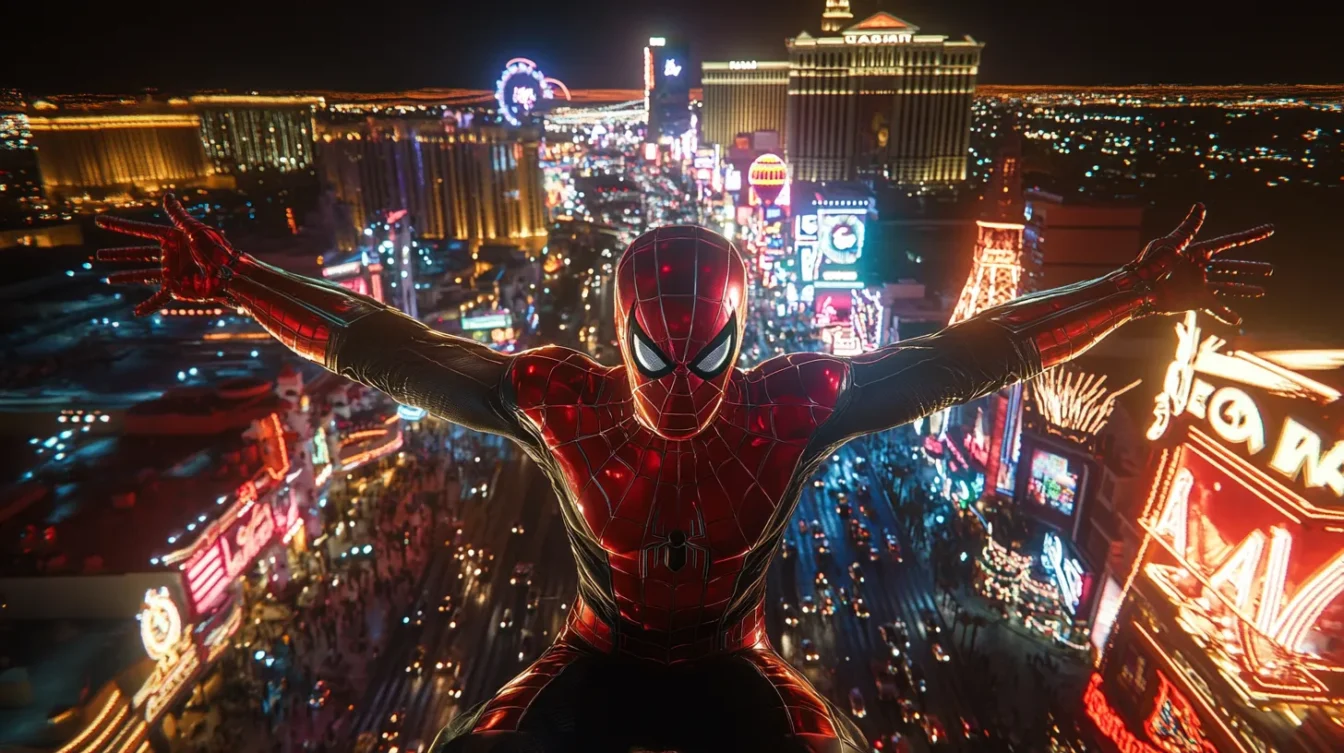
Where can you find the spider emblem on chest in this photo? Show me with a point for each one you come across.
(676, 547)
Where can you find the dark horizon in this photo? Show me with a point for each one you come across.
(597, 44)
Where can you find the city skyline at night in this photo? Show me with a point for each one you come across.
(809, 376)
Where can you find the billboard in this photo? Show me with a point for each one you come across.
(832, 308)
(832, 262)
(1054, 481)
(670, 96)
(1244, 523)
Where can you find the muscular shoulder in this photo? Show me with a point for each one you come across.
(811, 378)
(795, 393)
(553, 375)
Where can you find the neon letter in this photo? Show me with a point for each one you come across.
(1173, 518)
(1299, 449)
(1233, 414)
(1238, 570)
(1276, 572)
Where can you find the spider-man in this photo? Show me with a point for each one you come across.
(676, 470)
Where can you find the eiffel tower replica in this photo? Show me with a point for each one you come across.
(996, 268)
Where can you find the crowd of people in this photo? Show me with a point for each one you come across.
(305, 653)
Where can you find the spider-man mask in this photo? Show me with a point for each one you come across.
(680, 303)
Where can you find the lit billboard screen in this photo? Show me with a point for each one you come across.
(832, 308)
(832, 261)
(671, 72)
(1055, 481)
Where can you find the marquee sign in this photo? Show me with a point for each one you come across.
(1244, 518)
(1296, 451)
(168, 642)
(887, 38)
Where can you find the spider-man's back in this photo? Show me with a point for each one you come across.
(673, 537)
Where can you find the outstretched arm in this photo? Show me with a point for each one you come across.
(350, 334)
(1020, 339)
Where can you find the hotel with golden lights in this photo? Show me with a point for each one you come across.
(257, 134)
(96, 153)
(879, 100)
(743, 96)
(479, 183)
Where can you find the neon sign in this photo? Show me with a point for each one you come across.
(160, 624)
(209, 573)
(671, 68)
(275, 451)
(1173, 725)
(742, 65)
(170, 646)
(1237, 538)
(1236, 417)
(1109, 723)
(522, 88)
(1066, 572)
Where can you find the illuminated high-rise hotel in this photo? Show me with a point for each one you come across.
(257, 134)
(877, 100)
(743, 96)
(98, 153)
(480, 184)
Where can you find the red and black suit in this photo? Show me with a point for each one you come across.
(676, 471)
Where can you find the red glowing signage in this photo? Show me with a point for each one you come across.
(1244, 541)
(232, 541)
(209, 573)
(1109, 723)
(1173, 725)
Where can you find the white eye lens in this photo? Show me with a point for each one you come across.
(646, 357)
(713, 360)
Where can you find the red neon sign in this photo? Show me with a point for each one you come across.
(210, 572)
(230, 543)
(1243, 550)
(1109, 723)
(1173, 725)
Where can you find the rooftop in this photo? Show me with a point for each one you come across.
(111, 503)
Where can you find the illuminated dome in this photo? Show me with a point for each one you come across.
(767, 175)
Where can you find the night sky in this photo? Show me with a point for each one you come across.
(53, 47)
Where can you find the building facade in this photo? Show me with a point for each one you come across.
(880, 101)
(99, 153)
(1068, 240)
(743, 96)
(667, 88)
(255, 134)
(477, 183)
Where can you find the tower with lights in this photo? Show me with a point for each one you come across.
(996, 268)
(836, 16)
(880, 100)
